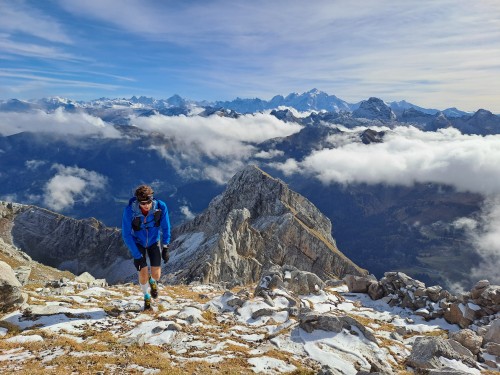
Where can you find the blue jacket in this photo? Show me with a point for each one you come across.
(148, 234)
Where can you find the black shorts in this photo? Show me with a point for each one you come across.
(154, 253)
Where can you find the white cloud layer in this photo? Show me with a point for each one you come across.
(407, 156)
(59, 122)
(224, 140)
(71, 185)
(485, 235)
(219, 136)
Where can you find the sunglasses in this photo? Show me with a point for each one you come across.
(145, 203)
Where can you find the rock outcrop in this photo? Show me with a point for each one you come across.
(256, 223)
(476, 312)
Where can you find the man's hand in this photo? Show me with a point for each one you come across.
(140, 263)
(164, 253)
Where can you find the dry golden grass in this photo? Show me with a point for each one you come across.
(12, 329)
(231, 366)
(236, 349)
(209, 316)
(14, 263)
(436, 333)
(183, 292)
(368, 322)
(41, 274)
(150, 357)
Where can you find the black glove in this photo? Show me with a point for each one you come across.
(164, 253)
(140, 263)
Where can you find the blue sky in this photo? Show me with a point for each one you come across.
(436, 54)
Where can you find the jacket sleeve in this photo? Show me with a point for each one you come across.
(165, 224)
(127, 234)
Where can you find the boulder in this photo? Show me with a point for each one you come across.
(434, 292)
(493, 349)
(456, 314)
(493, 332)
(375, 290)
(468, 338)
(85, 278)
(489, 298)
(479, 288)
(358, 284)
(291, 279)
(310, 321)
(426, 353)
(90, 280)
(10, 288)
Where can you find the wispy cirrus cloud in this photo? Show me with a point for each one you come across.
(18, 17)
(352, 49)
(222, 49)
(16, 48)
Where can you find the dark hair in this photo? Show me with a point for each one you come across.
(144, 193)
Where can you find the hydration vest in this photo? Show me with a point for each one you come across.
(137, 221)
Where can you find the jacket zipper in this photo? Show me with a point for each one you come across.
(147, 231)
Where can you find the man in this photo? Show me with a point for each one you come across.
(142, 221)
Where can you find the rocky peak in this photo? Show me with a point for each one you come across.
(481, 122)
(256, 223)
(374, 109)
(284, 115)
(372, 136)
(482, 114)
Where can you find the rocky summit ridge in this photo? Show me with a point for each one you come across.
(288, 322)
(257, 222)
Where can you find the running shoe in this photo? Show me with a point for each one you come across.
(147, 302)
(154, 288)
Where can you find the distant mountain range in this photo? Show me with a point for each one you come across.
(320, 106)
(313, 100)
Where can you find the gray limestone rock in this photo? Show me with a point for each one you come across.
(427, 350)
(469, 339)
(289, 279)
(310, 321)
(10, 288)
(493, 332)
(434, 292)
(480, 286)
(23, 274)
(493, 349)
(358, 284)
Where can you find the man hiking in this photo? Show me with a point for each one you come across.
(142, 221)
